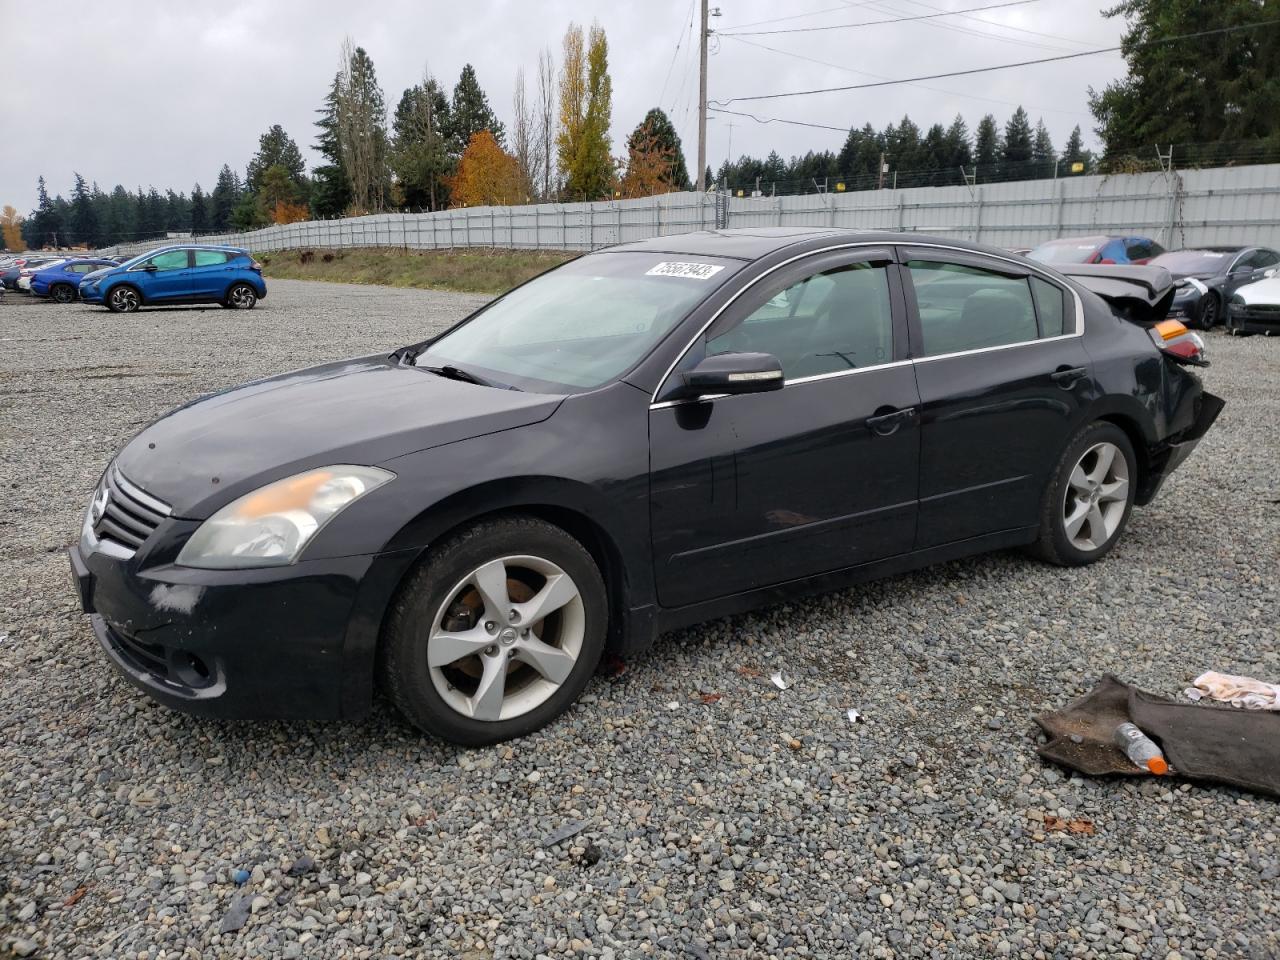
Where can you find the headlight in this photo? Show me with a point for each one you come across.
(272, 525)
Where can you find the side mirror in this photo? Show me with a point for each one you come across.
(150, 268)
(731, 373)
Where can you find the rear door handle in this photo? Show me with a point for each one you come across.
(1068, 377)
(885, 424)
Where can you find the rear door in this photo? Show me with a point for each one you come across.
(1004, 382)
(210, 273)
(753, 490)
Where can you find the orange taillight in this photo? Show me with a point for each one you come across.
(1168, 329)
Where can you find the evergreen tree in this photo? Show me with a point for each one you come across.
(1074, 150)
(330, 186)
(658, 125)
(959, 151)
(470, 113)
(1219, 88)
(123, 216)
(43, 228)
(199, 211)
(223, 200)
(420, 149)
(277, 147)
(1042, 146)
(987, 147)
(177, 213)
(902, 143)
(84, 218)
(1017, 138)
(361, 115)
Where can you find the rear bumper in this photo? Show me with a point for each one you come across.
(1173, 453)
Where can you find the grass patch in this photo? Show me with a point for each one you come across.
(475, 270)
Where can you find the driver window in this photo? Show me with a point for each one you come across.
(833, 321)
(170, 260)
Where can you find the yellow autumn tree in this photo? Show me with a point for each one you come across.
(11, 228)
(487, 175)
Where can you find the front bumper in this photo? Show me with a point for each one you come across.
(1254, 319)
(90, 294)
(293, 642)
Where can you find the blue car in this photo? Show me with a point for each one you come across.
(61, 282)
(189, 273)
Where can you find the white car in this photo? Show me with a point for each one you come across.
(1255, 308)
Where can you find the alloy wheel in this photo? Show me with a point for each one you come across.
(63, 294)
(124, 299)
(506, 637)
(1097, 496)
(1209, 313)
(243, 298)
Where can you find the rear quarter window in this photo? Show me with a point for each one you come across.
(1051, 307)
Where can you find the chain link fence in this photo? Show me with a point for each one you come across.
(1177, 208)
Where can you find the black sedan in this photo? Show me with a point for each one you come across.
(646, 437)
(1208, 276)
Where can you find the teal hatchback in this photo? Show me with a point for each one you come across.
(178, 274)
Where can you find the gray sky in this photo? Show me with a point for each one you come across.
(164, 93)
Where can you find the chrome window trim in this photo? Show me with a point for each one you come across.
(1030, 266)
(789, 383)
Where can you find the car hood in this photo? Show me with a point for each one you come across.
(1264, 292)
(97, 274)
(365, 411)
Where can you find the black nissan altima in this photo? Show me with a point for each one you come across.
(648, 436)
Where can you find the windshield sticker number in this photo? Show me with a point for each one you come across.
(679, 268)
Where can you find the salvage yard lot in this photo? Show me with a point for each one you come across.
(719, 816)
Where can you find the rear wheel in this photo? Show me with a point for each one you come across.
(241, 296)
(63, 293)
(497, 633)
(1210, 309)
(1089, 497)
(123, 299)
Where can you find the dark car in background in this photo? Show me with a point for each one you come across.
(10, 275)
(651, 435)
(1208, 276)
(1105, 250)
(59, 282)
(187, 273)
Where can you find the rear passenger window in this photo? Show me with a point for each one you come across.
(210, 258)
(1051, 305)
(967, 308)
(829, 322)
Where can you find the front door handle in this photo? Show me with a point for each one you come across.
(885, 424)
(1068, 377)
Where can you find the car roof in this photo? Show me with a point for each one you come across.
(1218, 248)
(191, 246)
(752, 243)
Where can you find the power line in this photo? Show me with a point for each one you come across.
(951, 93)
(675, 55)
(793, 123)
(1008, 26)
(872, 23)
(798, 16)
(972, 31)
(1002, 66)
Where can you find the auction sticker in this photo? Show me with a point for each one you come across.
(684, 268)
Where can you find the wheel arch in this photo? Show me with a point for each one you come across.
(142, 297)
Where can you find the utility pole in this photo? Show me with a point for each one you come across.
(702, 101)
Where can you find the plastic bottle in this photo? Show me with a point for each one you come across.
(1140, 748)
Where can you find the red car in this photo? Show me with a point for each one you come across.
(1097, 250)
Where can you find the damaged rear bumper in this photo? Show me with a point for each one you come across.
(1169, 456)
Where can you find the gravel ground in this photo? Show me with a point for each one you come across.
(718, 816)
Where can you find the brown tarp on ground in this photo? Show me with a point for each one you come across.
(1218, 744)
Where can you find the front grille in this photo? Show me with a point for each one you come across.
(125, 514)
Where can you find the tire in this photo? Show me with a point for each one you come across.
(514, 673)
(1083, 514)
(241, 296)
(62, 293)
(1210, 312)
(124, 299)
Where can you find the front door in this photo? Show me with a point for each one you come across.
(165, 276)
(753, 490)
(1004, 383)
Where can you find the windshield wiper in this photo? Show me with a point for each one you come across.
(450, 372)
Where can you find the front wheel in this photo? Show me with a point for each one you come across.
(1089, 497)
(1210, 308)
(496, 633)
(63, 293)
(241, 296)
(123, 300)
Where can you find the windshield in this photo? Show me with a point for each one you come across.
(583, 324)
(1065, 251)
(1205, 262)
